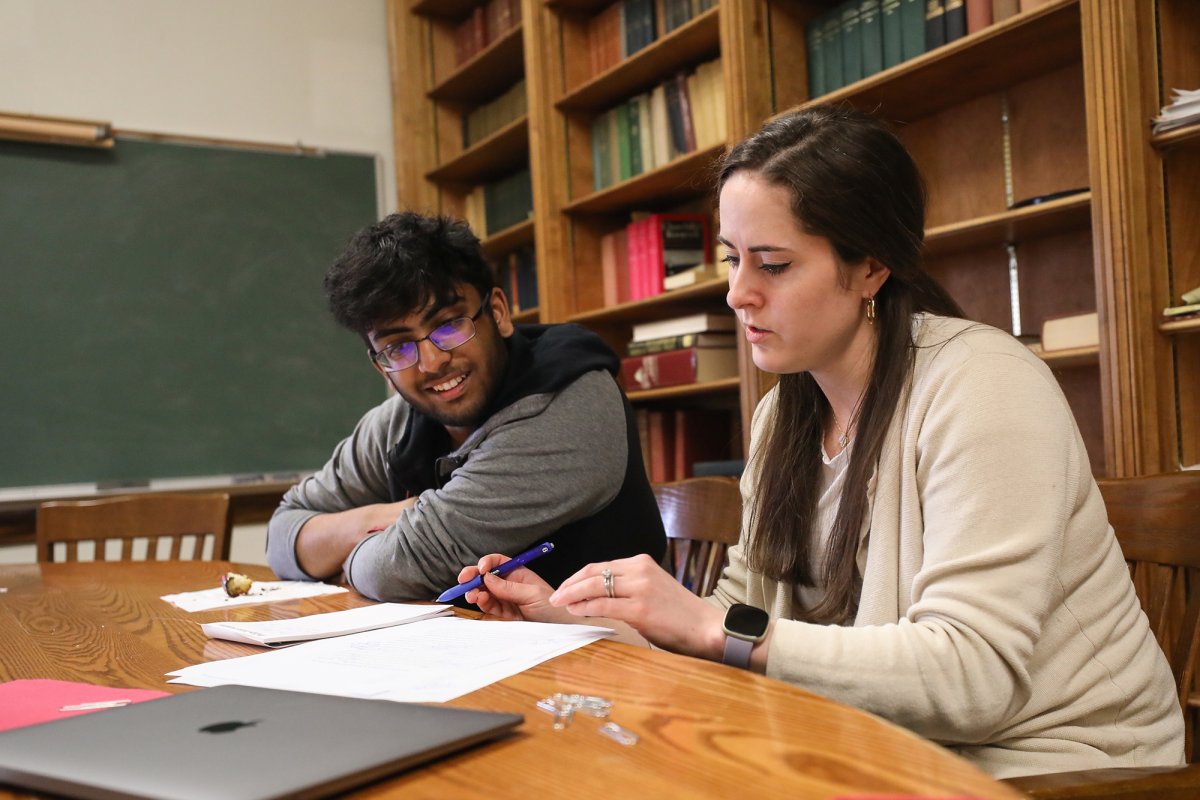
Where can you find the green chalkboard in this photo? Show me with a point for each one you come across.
(161, 311)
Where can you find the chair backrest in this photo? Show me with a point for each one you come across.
(180, 519)
(702, 517)
(1157, 522)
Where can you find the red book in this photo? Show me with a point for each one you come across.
(662, 446)
(677, 367)
(700, 435)
(614, 267)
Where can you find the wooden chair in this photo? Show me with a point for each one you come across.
(176, 517)
(1157, 522)
(702, 517)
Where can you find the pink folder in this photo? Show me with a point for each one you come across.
(26, 702)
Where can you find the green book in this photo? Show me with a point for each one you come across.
(889, 18)
(636, 167)
(814, 36)
(832, 26)
(599, 152)
(624, 154)
(912, 28)
(871, 25)
(852, 43)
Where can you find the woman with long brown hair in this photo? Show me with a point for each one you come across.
(922, 535)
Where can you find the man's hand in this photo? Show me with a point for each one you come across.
(326, 540)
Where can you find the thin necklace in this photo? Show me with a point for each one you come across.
(844, 435)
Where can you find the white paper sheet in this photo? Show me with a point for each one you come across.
(260, 592)
(322, 626)
(431, 661)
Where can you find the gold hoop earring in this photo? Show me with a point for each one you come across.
(870, 310)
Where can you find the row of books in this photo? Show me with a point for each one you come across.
(654, 253)
(626, 26)
(684, 113)
(697, 348)
(486, 23)
(492, 207)
(490, 117)
(858, 38)
(675, 441)
(517, 276)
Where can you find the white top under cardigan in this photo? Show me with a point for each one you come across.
(997, 615)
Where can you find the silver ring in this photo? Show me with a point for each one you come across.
(608, 582)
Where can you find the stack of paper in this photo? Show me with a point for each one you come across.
(278, 632)
(430, 661)
(1184, 109)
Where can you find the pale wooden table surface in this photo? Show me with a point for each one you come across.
(706, 730)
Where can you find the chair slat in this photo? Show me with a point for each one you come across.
(136, 517)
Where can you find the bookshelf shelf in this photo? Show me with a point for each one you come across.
(445, 9)
(1043, 40)
(685, 390)
(1074, 357)
(488, 158)
(493, 69)
(509, 239)
(707, 295)
(680, 179)
(526, 316)
(1188, 137)
(696, 41)
(1178, 327)
(1010, 226)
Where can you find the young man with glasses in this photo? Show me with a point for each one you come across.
(498, 436)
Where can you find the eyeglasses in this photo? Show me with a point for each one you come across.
(445, 337)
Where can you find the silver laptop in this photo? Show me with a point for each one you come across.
(237, 743)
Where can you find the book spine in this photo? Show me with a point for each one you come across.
(889, 14)
(956, 19)
(979, 15)
(815, 42)
(685, 112)
(935, 23)
(912, 28)
(653, 370)
(852, 44)
(871, 25)
(832, 26)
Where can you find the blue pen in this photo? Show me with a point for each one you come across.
(503, 569)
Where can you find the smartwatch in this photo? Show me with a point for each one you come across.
(744, 627)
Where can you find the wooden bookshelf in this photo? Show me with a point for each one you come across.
(1179, 327)
(1010, 226)
(1053, 99)
(686, 390)
(488, 158)
(490, 71)
(685, 177)
(1183, 138)
(1073, 357)
(697, 40)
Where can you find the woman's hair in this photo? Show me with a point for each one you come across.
(852, 182)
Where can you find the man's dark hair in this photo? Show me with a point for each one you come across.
(402, 264)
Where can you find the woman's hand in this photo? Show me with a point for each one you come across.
(519, 595)
(649, 600)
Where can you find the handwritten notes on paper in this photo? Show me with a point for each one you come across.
(430, 661)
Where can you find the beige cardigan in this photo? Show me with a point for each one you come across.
(997, 615)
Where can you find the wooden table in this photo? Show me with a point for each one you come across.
(705, 730)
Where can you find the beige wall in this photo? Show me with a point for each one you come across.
(281, 71)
